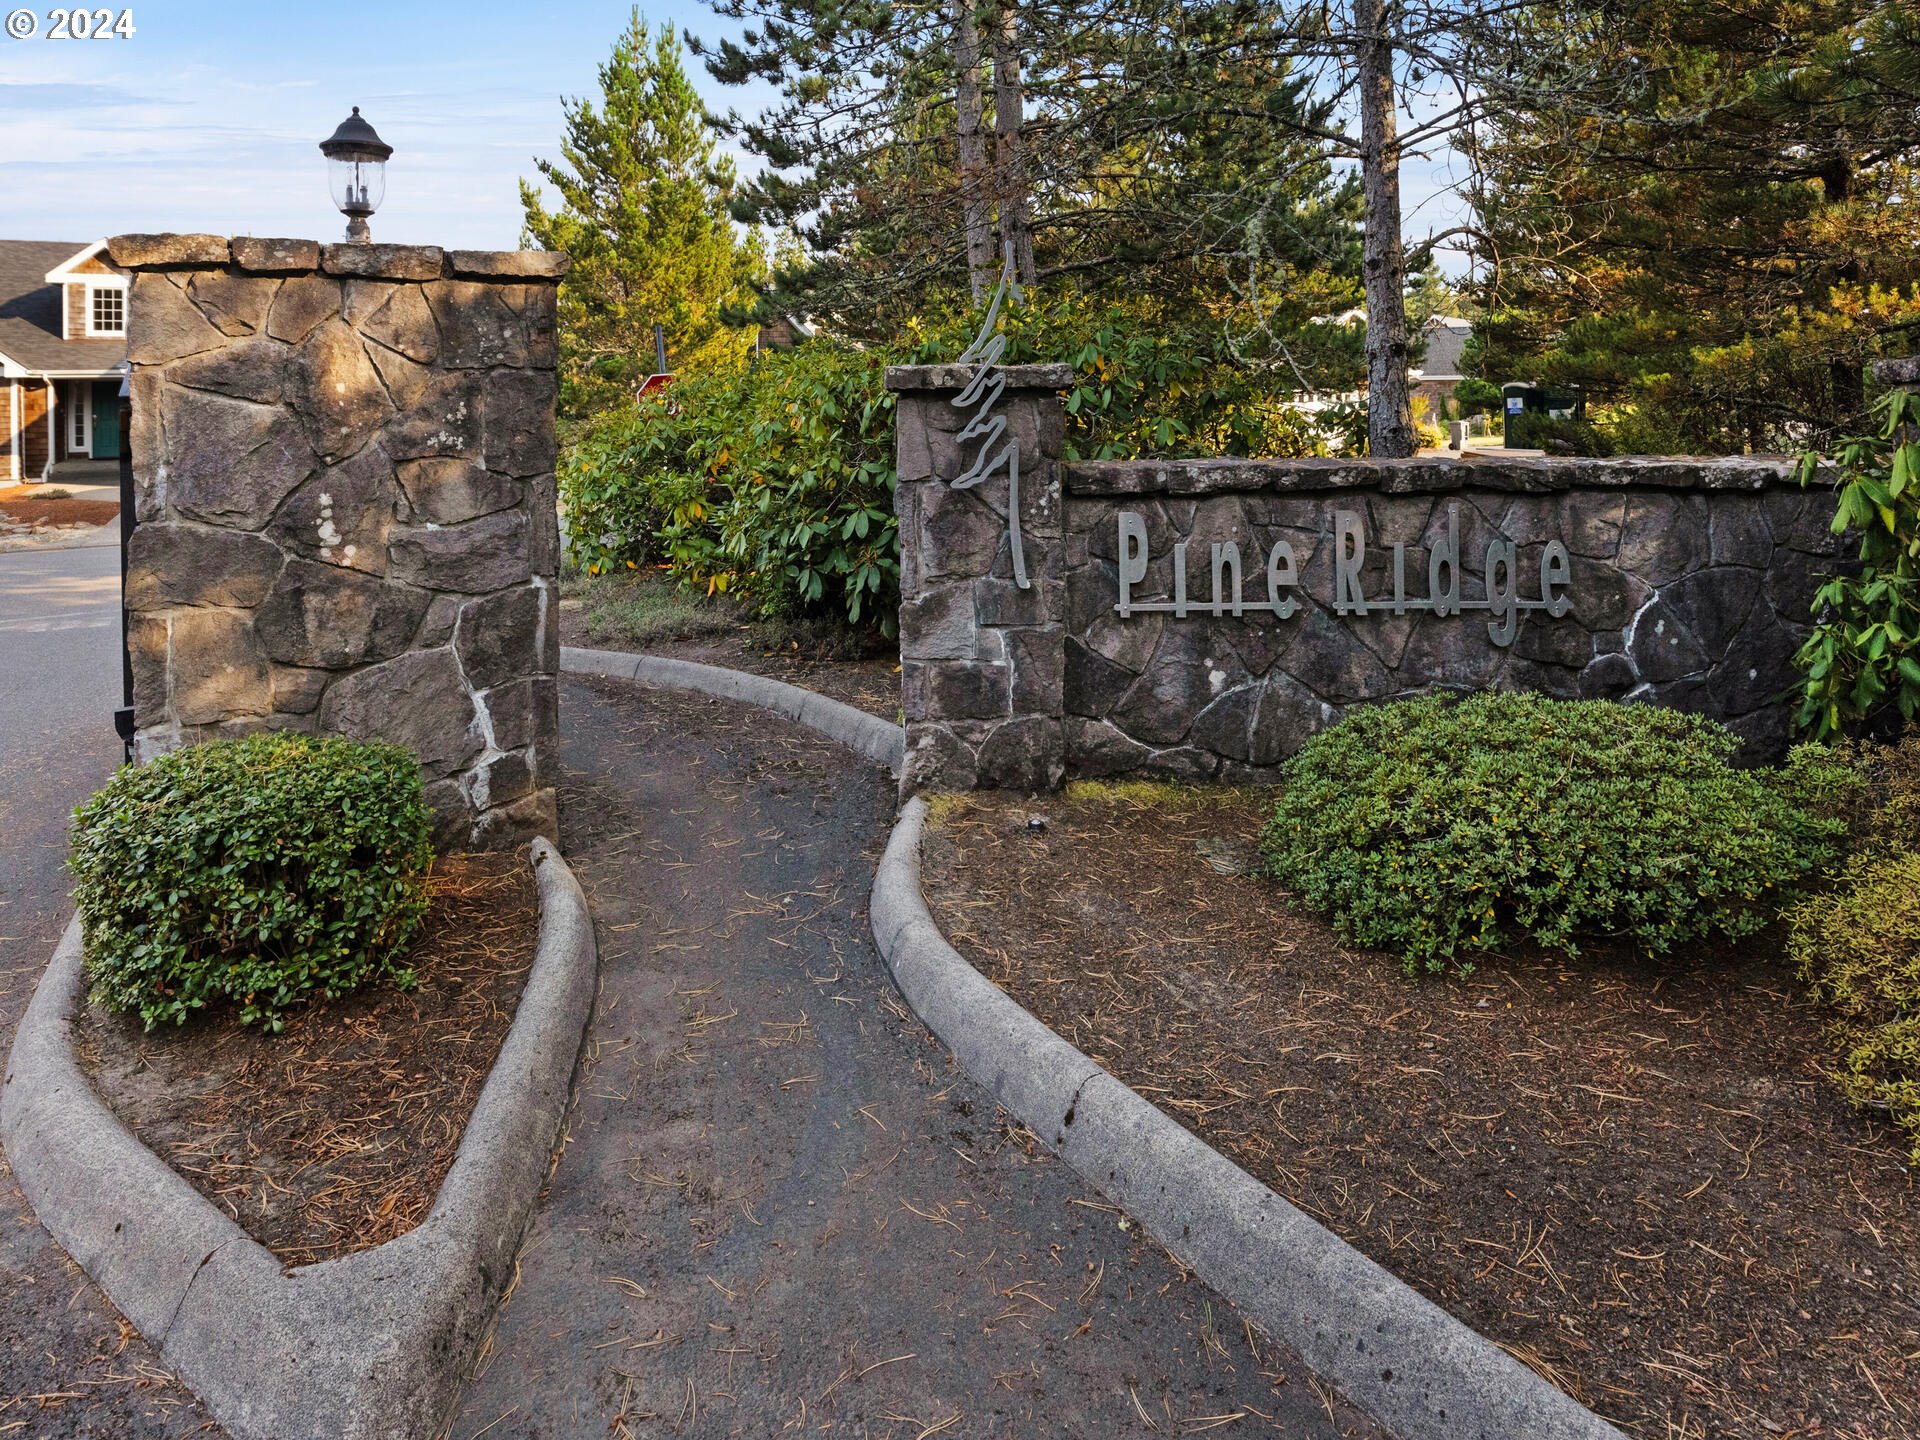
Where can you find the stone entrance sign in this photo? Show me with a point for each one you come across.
(343, 459)
(1202, 618)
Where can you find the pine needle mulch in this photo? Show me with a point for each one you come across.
(1634, 1177)
(334, 1135)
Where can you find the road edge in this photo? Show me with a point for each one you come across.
(371, 1346)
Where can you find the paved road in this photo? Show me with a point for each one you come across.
(780, 1208)
(68, 1364)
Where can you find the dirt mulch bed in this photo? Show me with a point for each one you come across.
(870, 683)
(20, 505)
(1636, 1180)
(334, 1135)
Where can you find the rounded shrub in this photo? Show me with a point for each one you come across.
(257, 873)
(1432, 826)
(1857, 944)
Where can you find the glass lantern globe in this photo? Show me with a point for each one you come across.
(356, 172)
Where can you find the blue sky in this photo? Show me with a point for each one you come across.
(207, 119)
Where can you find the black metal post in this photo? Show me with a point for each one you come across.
(123, 717)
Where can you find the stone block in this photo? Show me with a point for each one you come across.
(335, 391)
(446, 491)
(406, 381)
(499, 779)
(959, 689)
(1027, 753)
(163, 325)
(1289, 715)
(1091, 684)
(510, 264)
(1225, 727)
(939, 624)
(384, 262)
(258, 255)
(236, 304)
(177, 564)
(218, 670)
(521, 712)
(1038, 659)
(478, 329)
(512, 826)
(405, 323)
(296, 690)
(417, 700)
(519, 421)
(445, 419)
(254, 369)
(323, 616)
(490, 553)
(1095, 748)
(231, 461)
(937, 760)
(543, 524)
(341, 516)
(498, 636)
(147, 648)
(148, 251)
(300, 305)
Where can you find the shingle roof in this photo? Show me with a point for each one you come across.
(1446, 342)
(30, 312)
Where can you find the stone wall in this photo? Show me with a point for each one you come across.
(1309, 586)
(343, 460)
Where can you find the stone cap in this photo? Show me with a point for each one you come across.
(257, 256)
(1054, 376)
(1427, 474)
(1904, 374)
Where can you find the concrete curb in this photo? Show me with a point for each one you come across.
(866, 735)
(371, 1346)
(1416, 1369)
(1412, 1366)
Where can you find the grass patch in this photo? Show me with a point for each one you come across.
(639, 608)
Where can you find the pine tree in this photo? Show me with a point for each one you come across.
(1727, 243)
(644, 193)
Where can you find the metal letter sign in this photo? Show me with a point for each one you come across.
(983, 392)
(1500, 577)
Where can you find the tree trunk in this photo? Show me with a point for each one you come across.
(970, 102)
(1383, 264)
(1847, 376)
(1009, 116)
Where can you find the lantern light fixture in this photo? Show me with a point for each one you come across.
(356, 172)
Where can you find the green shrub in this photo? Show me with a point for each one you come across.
(1858, 945)
(1556, 435)
(1862, 661)
(255, 872)
(773, 483)
(1432, 826)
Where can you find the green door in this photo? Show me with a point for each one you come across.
(106, 420)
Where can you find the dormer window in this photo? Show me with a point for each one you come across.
(106, 310)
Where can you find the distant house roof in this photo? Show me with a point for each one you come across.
(1446, 344)
(30, 313)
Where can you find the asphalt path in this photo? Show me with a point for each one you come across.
(780, 1207)
(69, 1365)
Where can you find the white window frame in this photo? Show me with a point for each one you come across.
(93, 287)
(80, 426)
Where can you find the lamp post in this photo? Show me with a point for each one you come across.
(356, 172)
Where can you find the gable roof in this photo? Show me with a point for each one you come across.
(1446, 344)
(30, 313)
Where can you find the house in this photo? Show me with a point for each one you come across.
(63, 351)
(1439, 368)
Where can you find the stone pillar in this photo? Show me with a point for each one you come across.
(343, 461)
(982, 657)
